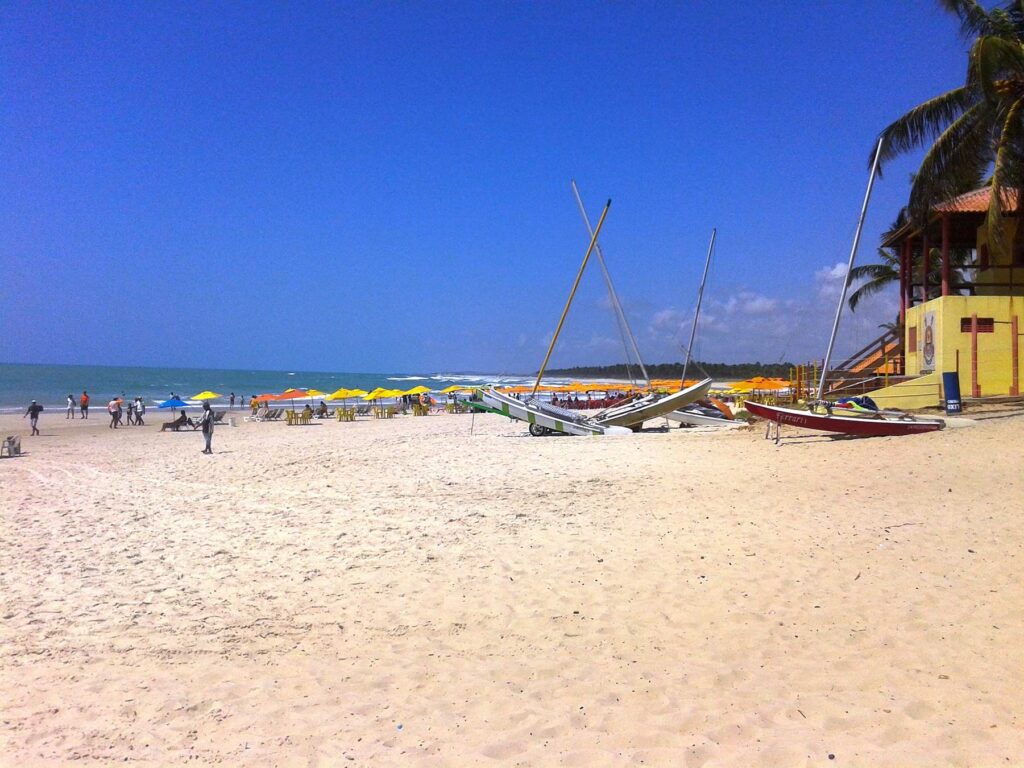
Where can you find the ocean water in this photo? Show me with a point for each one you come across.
(51, 384)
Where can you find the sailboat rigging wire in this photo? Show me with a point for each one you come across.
(700, 298)
(620, 316)
(849, 268)
(572, 293)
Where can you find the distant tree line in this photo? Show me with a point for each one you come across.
(722, 371)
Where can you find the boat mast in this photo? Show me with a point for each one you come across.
(696, 313)
(572, 293)
(624, 330)
(849, 268)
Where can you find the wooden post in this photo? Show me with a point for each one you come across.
(1014, 357)
(925, 259)
(945, 254)
(904, 260)
(975, 389)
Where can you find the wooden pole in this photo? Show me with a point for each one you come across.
(945, 254)
(904, 260)
(975, 389)
(572, 293)
(624, 330)
(925, 265)
(1014, 357)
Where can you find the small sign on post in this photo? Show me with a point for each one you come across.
(951, 393)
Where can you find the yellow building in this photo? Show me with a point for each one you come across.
(961, 306)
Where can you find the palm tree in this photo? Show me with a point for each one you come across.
(977, 129)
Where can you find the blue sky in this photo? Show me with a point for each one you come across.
(385, 187)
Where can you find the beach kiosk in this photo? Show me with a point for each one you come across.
(960, 306)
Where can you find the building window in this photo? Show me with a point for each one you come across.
(985, 325)
(912, 339)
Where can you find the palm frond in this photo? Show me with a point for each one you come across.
(1006, 172)
(974, 19)
(953, 161)
(996, 60)
(925, 122)
(869, 288)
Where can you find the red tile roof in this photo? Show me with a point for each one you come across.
(977, 201)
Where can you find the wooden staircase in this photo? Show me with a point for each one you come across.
(881, 360)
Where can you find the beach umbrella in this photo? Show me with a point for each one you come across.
(290, 394)
(452, 388)
(175, 403)
(172, 403)
(314, 393)
(340, 394)
(420, 390)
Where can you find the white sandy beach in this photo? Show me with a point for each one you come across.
(406, 592)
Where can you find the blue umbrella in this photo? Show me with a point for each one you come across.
(175, 403)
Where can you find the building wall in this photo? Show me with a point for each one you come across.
(994, 349)
(922, 392)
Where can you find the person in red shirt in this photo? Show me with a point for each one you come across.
(84, 404)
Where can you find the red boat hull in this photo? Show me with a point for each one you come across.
(846, 425)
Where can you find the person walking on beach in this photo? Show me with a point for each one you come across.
(140, 408)
(33, 414)
(130, 417)
(113, 407)
(231, 400)
(206, 420)
(71, 407)
(84, 404)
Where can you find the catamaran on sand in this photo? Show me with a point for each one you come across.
(821, 414)
(545, 418)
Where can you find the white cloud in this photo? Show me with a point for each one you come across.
(748, 326)
(829, 280)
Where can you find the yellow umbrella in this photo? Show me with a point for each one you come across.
(340, 394)
(376, 394)
(420, 390)
(452, 388)
(207, 395)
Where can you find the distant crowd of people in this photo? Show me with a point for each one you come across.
(125, 415)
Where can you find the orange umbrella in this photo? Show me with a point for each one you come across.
(291, 394)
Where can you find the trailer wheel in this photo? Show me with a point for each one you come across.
(537, 430)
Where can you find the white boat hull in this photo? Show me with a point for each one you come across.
(534, 414)
(651, 407)
(693, 419)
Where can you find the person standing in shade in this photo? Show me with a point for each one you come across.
(206, 421)
(140, 408)
(71, 407)
(84, 404)
(33, 414)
